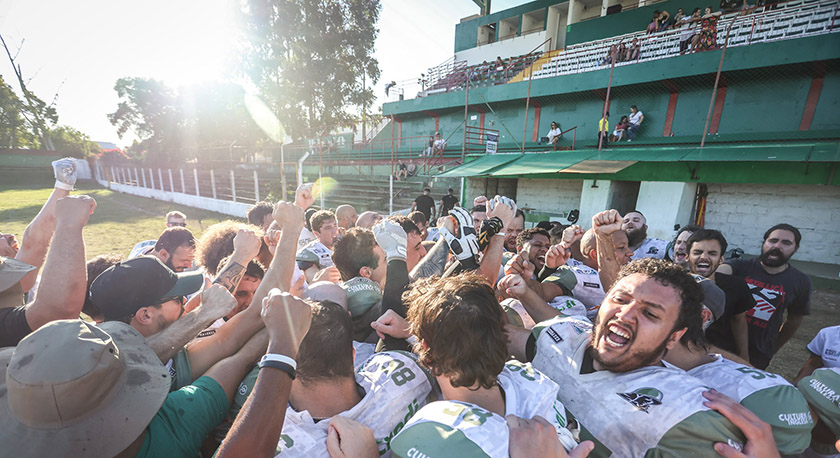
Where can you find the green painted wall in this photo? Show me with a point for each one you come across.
(828, 106)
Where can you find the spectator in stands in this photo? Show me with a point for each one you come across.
(621, 53)
(604, 130)
(176, 218)
(447, 202)
(346, 216)
(431, 147)
(260, 215)
(669, 23)
(730, 6)
(425, 204)
(659, 21)
(620, 129)
(654, 22)
(611, 55)
(688, 30)
(707, 39)
(635, 121)
(439, 144)
(633, 51)
(554, 134)
(402, 172)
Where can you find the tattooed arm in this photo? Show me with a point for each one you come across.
(433, 263)
(246, 246)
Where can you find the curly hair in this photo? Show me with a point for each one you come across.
(691, 294)
(94, 267)
(353, 251)
(217, 243)
(461, 324)
(528, 234)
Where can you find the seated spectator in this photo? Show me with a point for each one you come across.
(611, 55)
(621, 53)
(635, 121)
(176, 219)
(554, 134)
(439, 144)
(402, 172)
(620, 129)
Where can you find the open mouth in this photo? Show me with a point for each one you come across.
(704, 266)
(616, 336)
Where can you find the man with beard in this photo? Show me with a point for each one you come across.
(706, 249)
(612, 377)
(175, 248)
(776, 286)
(678, 252)
(635, 225)
(515, 227)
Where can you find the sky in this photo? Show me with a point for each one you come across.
(78, 50)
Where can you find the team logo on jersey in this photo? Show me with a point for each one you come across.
(653, 250)
(643, 398)
(581, 328)
(591, 285)
(554, 336)
(243, 389)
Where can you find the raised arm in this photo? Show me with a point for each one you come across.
(516, 287)
(258, 426)
(36, 237)
(433, 263)
(605, 223)
(392, 239)
(61, 293)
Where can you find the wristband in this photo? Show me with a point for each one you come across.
(64, 186)
(280, 359)
(412, 340)
(278, 365)
(503, 234)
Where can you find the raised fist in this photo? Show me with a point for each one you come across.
(65, 173)
(463, 241)
(246, 245)
(391, 237)
(607, 222)
(305, 195)
(503, 207)
(74, 211)
(287, 319)
(288, 215)
(217, 302)
(557, 256)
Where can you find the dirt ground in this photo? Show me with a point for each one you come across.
(825, 312)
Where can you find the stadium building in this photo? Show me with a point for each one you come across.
(738, 137)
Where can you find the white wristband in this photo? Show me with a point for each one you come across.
(279, 358)
(501, 233)
(63, 186)
(412, 340)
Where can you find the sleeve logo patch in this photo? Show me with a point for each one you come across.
(643, 398)
(591, 285)
(554, 335)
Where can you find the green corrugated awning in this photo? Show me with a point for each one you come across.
(481, 166)
(751, 153)
(590, 166)
(537, 163)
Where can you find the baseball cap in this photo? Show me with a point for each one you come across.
(73, 388)
(11, 271)
(127, 286)
(364, 300)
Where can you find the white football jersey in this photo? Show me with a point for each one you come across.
(316, 252)
(769, 396)
(827, 346)
(305, 237)
(585, 285)
(628, 414)
(528, 393)
(363, 352)
(395, 389)
(142, 248)
(651, 248)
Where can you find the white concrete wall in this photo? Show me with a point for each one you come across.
(665, 204)
(237, 209)
(743, 212)
(550, 196)
(510, 47)
(593, 200)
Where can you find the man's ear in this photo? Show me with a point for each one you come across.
(674, 338)
(164, 254)
(144, 315)
(593, 254)
(705, 314)
(365, 272)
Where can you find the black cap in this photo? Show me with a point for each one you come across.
(128, 286)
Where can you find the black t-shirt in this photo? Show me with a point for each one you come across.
(13, 326)
(449, 202)
(773, 293)
(425, 204)
(738, 300)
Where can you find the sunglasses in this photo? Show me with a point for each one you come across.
(182, 300)
(177, 224)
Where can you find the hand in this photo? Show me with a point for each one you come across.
(572, 234)
(446, 222)
(350, 439)
(513, 285)
(217, 302)
(74, 211)
(537, 437)
(287, 319)
(760, 441)
(607, 222)
(330, 274)
(462, 241)
(288, 215)
(297, 286)
(272, 236)
(391, 324)
(391, 237)
(557, 256)
(246, 246)
(503, 207)
(305, 195)
(64, 171)
(520, 265)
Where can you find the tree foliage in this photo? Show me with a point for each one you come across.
(309, 59)
(21, 122)
(70, 141)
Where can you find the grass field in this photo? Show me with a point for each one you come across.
(121, 221)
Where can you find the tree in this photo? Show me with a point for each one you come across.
(310, 59)
(13, 129)
(68, 140)
(150, 109)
